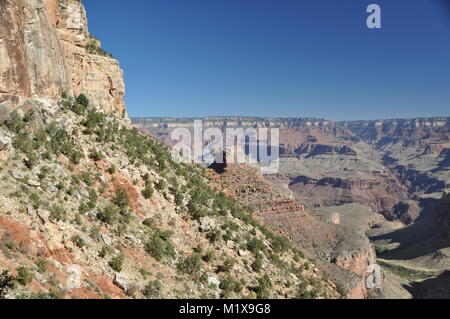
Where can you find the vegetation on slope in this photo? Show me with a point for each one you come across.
(114, 203)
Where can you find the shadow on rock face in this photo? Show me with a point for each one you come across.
(220, 164)
(433, 288)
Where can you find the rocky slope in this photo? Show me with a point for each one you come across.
(93, 209)
(101, 211)
(46, 49)
(339, 252)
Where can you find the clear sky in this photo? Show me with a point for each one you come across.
(279, 58)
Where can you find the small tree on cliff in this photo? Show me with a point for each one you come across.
(83, 100)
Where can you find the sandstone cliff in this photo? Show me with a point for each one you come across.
(46, 49)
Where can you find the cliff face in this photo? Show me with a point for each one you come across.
(366, 129)
(46, 49)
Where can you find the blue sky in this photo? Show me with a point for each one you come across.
(303, 58)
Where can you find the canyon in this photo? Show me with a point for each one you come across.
(382, 179)
(92, 209)
(101, 210)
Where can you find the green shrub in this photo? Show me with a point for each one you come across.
(231, 226)
(78, 108)
(83, 100)
(227, 265)
(112, 170)
(58, 213)
(24, 276)
(86, 177)
(121, 199)
(159, 248)
(380, 249)
(209, 256)
(304, 293)
(96, 155)
(7, 282)
(104, 251)
(83, 209)
(108, 215)
(93, 120)
(35, 200)
(258, 263)
(255, 245)
(15, 123)
(116, 263)
(31, 160)
(179, 198)
(29, 116)
(42, 265)
(214, 235)
(161, 185)
(190, 265)
(93, 48)
(78, 241)
(279, 244)
(229, 285)
(153, 289)
(53, 294)
(148, 191)
(93, 198)
(341, 290)
(146, 178)
(76, 157)
(263, 289)
(47, 156)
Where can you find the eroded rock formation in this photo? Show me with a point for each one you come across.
(46, 49)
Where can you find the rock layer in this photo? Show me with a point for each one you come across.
(46, 49)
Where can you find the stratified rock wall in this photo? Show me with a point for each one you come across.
(43, 53)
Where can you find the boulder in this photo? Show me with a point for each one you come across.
(74, 279)
(34, 183)
(30, 210)
(39, 277)
(5, 143)
(207, 224)
(103, 179)
(122, 281)
(106, 239)
(242, 253)
(335, 218)
(43, 215)
(133, 239)
(213, 281)
(18, 174)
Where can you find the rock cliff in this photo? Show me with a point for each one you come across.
(46, 49)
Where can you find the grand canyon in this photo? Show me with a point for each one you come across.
(93, 206)
(382, 181)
